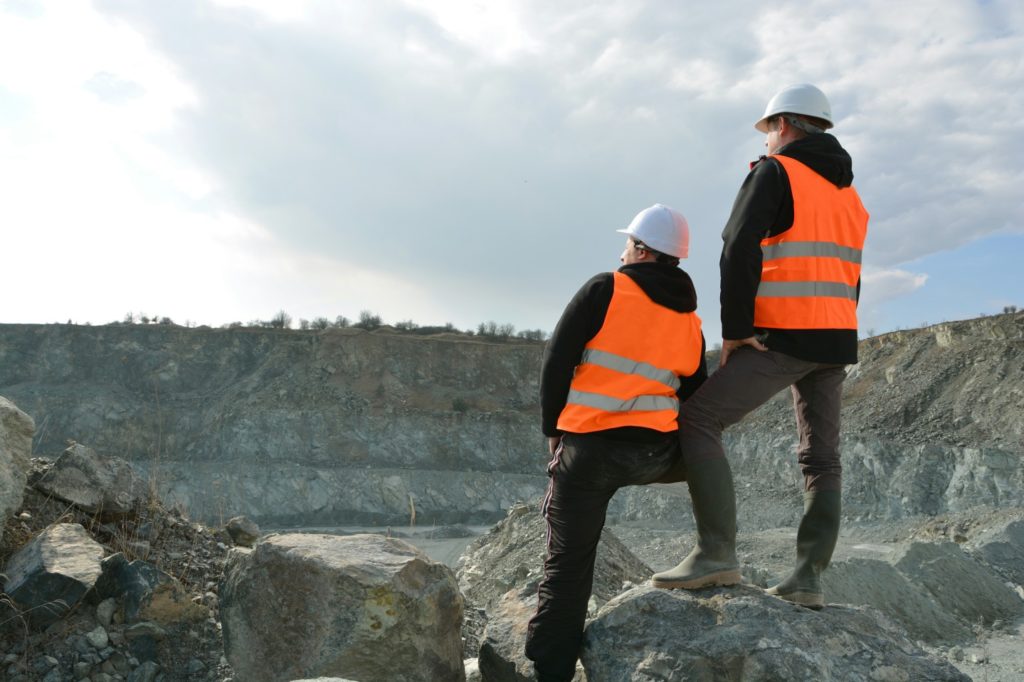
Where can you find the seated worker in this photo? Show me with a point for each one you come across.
(626, 351)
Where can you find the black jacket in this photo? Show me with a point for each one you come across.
(666, 285)
(764, 208)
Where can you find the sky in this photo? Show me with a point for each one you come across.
(448, 161)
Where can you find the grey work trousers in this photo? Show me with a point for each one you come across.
(748, 380)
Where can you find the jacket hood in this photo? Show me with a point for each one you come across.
(823, 154)
(666, 285)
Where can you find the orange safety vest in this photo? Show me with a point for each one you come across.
(809, 273)
(629, 372)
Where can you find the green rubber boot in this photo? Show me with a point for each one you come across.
(815, 541)
(713, 561)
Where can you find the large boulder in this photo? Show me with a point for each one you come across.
(510, 557)
(743, 634)
(50, 576)
(361, 606)
(16, 431)
(502, 656)
(94, 483)
(243, 531)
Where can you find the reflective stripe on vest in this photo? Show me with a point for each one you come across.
(629, 372)
(627, 366)
(818, 249)
(610, 404)
(809, 273)
(807, 290)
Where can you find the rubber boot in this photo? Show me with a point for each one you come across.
(815, 541)
(713, 561)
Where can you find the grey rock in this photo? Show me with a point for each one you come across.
(195, 666)
(119, 663)
(145, 629)
(43, 663)
(243, 531)
(81, 669)
(81, 644)
(54, 675)
(97, 638)
(146, 672)
(743, 634)
(94, 483)
(502, 658)
(105, 611)
(16, 431)
(472, 666)
(361, 606)
(959, 584)
(52, 574)
(871, 582)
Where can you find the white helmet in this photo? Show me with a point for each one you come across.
(797, 99)
(663, 229)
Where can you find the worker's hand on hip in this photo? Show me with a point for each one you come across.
(553, 442)
(729, 345)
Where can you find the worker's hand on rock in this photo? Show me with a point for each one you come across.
(729, 345)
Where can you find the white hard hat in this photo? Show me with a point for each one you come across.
(663, 229)
(797, 99)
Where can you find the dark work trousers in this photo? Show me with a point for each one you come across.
(748, 380)
(585, 472)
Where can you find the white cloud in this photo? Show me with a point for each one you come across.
(489, 149)
(878, 286)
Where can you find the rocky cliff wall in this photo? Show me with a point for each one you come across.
(292, 427)
(348, 426)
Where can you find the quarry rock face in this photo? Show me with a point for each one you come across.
(273, 424)
(16, 431)
(743, 634)
(362, 606)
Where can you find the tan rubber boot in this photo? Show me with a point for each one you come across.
(815, 542)
(713, 561)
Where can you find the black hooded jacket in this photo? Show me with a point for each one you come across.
(583, 318)
(764, 208)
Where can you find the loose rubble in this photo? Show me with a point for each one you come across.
(148, 611)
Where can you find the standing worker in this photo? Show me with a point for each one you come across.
(790, 272)
(627, 350)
